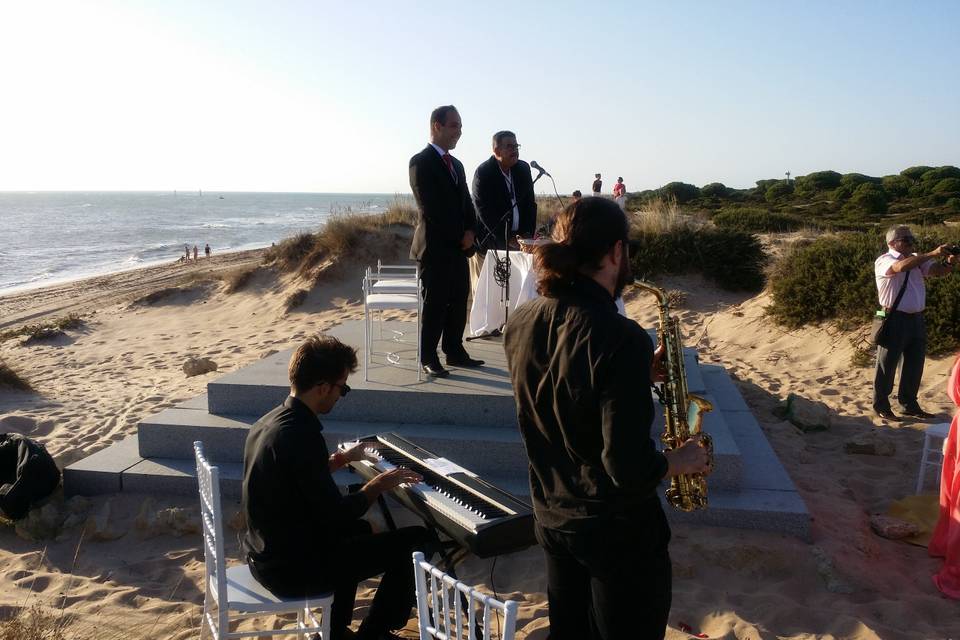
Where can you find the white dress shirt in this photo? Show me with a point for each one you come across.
(914, 297)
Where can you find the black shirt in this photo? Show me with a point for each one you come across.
(581, 376)
(290, 499)
(596, 185)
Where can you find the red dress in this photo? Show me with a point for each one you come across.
(946, 536)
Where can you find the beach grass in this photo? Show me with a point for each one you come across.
(11, 379)
(43, 330)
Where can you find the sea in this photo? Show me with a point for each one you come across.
(52, 237)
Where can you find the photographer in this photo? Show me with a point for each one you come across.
(901, 268)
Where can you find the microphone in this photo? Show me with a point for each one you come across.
(543, 172)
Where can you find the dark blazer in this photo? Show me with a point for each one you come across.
(492, 201)
(446, 210)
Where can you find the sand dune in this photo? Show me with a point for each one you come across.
(125, 363)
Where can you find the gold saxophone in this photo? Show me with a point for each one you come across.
(683, 411)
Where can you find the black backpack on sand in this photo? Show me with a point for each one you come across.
(27, 474)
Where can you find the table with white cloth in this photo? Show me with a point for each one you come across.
(487, 312)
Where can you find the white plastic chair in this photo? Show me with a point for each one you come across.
(440, 607)
(235, 589)
(390, 287)
(932, 457)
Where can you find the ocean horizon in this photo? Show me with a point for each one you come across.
(49, 237)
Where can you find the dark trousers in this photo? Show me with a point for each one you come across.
(612, 582)
(907, 348)
(341, 566)
(446, 286)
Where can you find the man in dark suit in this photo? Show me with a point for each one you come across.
(503, 195)
(445, 235)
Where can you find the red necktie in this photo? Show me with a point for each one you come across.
(448, 160)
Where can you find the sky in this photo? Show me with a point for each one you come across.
(324, 96)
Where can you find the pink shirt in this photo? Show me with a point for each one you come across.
(619, 189)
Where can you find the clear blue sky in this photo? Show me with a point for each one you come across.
(335, 96)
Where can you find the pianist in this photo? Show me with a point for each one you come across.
(302, 536)
(581, 375)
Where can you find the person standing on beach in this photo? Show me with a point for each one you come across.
(597, 185)
(206, 249)
(581, 376)
(620, 193)
(444, 238)
(194, 253)
(186, 252)
(302, 536)
(905, 347)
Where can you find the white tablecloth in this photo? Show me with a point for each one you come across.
(487, 313)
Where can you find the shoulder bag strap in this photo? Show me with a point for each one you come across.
(903, 287)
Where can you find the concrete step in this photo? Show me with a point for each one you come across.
(478, 397)
(484, 450)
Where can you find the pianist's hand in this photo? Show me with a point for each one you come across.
(355, 452)
(389, 480)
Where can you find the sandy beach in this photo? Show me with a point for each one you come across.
(138, 578)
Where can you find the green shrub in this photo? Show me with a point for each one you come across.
(751, 219)
(914, 173)
(714, 190)
(831, 278)
(818, 181)
(953, 205)
(935, 175)
(942, 315)
(763, 185)
(947, 185)
(897, 186)
(854, 180)
(680, 191)
(733, 259)
(867, 200)
(841, 193)
(779, 190)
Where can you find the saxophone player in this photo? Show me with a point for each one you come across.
(581, 376)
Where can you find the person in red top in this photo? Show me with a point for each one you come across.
(620, 192)
(945, 541)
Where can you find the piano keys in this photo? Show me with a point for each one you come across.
(480, 517)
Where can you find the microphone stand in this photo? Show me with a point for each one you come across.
(501, 275)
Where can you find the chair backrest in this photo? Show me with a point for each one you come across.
(211, 517)
(448, 609)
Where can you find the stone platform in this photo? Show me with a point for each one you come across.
(469, 417)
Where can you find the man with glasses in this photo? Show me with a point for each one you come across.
(442, 242)
(302, 536)
(905, 330)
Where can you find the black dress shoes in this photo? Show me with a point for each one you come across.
(917, 412)
(463, 360)
(435, 370)
(887, 414)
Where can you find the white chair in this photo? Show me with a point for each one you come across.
(932, 457)
(390, 287)
(235, 589)
(441, 600)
